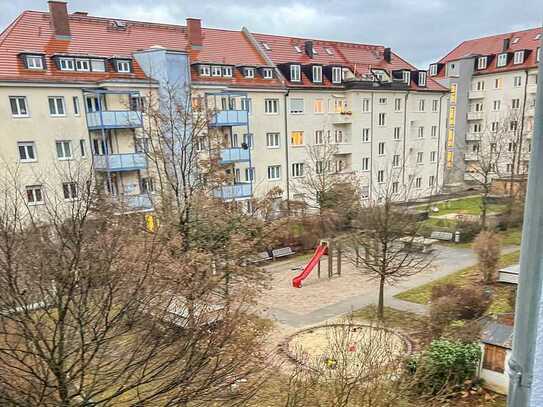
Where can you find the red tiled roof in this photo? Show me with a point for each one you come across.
(494, 45)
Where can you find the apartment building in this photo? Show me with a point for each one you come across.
(493, 82)
(72, 87)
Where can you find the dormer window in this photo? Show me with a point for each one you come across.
(123, 66)
(267, 73)
(502, 60)
(379, 75)
(82, 65)
(336, 74)
(317, 74)
(98, 65)
(518, 57)
(205, 70)
(433, 69)
(227, 71)
(329, 51)
(482, 62)
(295, 75)
(422, 78)
(249, 73)
(407, 77)
(34, 61)
(216, 71)
(266, 46)
(66, 64)
(298, 49)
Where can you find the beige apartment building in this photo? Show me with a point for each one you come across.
(73, 89)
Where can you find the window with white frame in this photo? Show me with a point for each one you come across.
(498, 82)
(517, 81)
(502, 60)
(397, 104)
(319, 137)
(271, 106)
(365, 163)
(318, 106)
(381, 148)
(56, 106)
(420, 132)
(249, 174)
(267, 73)
(422, 78)
(395, 187)
(482, 62)
(433, 156)
(249, 73)
(365, 192)
(381, 119)
(295, 74)
(246, 104)
(494, 126)
(205, 70)
(227, 71)
(69, 190)
(435, 105)
(538, 54)
(64, 150)
(317, 73)
(340, 165)
(75, 103)
(272, 140)
(396, 160)
(431, 180)
(296, 105)
(216, 71)
(366, 138)
(433, 131)
(420, 157)
(297, 170)
(34, 61)
(382, 101)
(477, 127)
(496, 105)
(18, 106)
(34, 194)
(366, 105)
(396, 135)
(297, 49)
(433, 69)
(83, 148)
(83, 65)
(418, 182)
(98, 65)
(336, 74)
(407, 77)
(27, 151)
(274, 172)
(340, 137)
(66, 64)
(421, 105)
(248, 140)
(123, 66)
(518, 57)
(515, 103)
(381, 176)
(480, 85)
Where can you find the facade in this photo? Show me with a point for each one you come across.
(72, 88)
(493, 83)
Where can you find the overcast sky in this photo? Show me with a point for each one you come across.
(421, 31)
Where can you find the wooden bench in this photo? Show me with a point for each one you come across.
(282, 252)
(418, 243)
(441, 235)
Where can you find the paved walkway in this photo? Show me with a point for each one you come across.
(324, 299)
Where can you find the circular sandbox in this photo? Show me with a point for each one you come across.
(327, 346)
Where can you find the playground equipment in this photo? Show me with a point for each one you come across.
(325, 247)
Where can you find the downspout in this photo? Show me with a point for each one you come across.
(438, 144)
(286, 150)
(522, 117)
(371, 150)
(404, 139)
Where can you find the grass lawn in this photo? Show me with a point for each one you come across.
(470, 206)
(467, 277)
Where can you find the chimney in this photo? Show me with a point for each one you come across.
(308, 46)
(387, 55)
(506, 43)
(59, 16)
(194, 32)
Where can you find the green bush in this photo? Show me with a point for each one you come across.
(445, 365)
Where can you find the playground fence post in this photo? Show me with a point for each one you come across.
(338, 251)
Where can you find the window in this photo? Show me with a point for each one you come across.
(365, 163)
(98, 65)
(366, 135)
(317, 73)
(433, 156)
(66, 64)
(478, 107)
(433, 69)
(513, 125)
(420, 157)
(272, 140)
(56, 106)
(498, 82)
(320, 166)
(502, 60)
(397, 104)
(395, 186)
(480, 85)
(227, 71)
(336, 74)
(340, 165)
(124, 66)
(407, 77)
(496, 105)
(435, 105)
(64, 150)
(494, 126)
(340, 137)
(397, 131)
(83, 149)
(381, 119)
(421, 105)
(297, 138)
(274, 172)
(75, 102)
(249, 174)
(216, 71)
(271, 106)
(420, 132)
(34, 194)
(266, 46)
(517, 81)
(477, 127)
(27, 151)
(246, 104)
(509, 168)
(318, 106)
(381, 176)
(431, 180)
(518, 57)
(382, 101)
(396, 160)
(249, 73)
(319, 137)
(422, 78)
(538, 54)
(82, 65)
(515, 104)
(297, 170)
(34, 62)
(296, 106)
(481, 62)
(205, 70)
(381, 148)
(248, 140)
(494, 358)
(267, 73)
(18, 106)
(295, 73)
(433, 131)
(69, 190)
(366, 105)
(340, 105)
(418, 182)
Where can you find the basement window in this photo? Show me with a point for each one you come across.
(34, 62)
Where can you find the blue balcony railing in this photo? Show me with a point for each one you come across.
(234, 155)
(114, 119)
(137, 202)
(230, 118)
(236, 191)
(120, 162)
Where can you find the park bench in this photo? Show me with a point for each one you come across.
(438, 235)
(260, 257)
(418, 243)
(282, 252)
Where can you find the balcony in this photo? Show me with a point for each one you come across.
(342, 148)
(341, 118)
(120, 162)
(532, 88)
(234, 155)
(236, 191)
(470, 136)
(229, 118)
(114, 119)
(475, 115)
(140, 202)
(476, 94)
(470, 156)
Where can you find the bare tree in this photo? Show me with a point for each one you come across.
(487, 245)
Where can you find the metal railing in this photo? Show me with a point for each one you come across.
(120, 162)
(233, 155)
(230, 118)
(111, 119)
(235, 191)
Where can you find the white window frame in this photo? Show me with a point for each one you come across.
(420, 132)
(71, 189)
(321, 103)
(267, 73)
(418, 182)
(366, 135)
(98, 65)
(435, 105)
(271, 106)
(381, 176)
(204, 70)
(397, 133)
(319, 137)
(32, 62)
(407, 77)
(518, 57)
(66, 154)
(365, 165)
(216, 71)
(274, 172)
(515, 103)
(66, 64)
(82, 65)
(422, 79)
(482, 62)
(517, 81)
(83, 148)
(382, 100)
(317, 73)
(433, 69)
(433, 131)
(297, 170)
(27, 146)
(433, 156)
(366, 105)
(76, 106)
(336, 74)
(19, 107)
(422, 105)
(501, 60)
(35, 200)
(398, 104)
(381, 151)
(381, 119)
(420, 157)
(297, 111)
(295, 73)
(249, 73)
(396, 160)
(123, 66)
(55, 100)
(227, 71)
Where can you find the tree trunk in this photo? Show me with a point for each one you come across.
(484, 208)
(381, 303)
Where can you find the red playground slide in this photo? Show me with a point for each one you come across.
(321, 251)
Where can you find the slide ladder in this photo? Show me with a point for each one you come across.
(322, 249)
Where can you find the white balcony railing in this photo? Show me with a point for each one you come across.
(120, 162)
(470, 136)
(114, 119)
(475, 115)
(476, 94)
